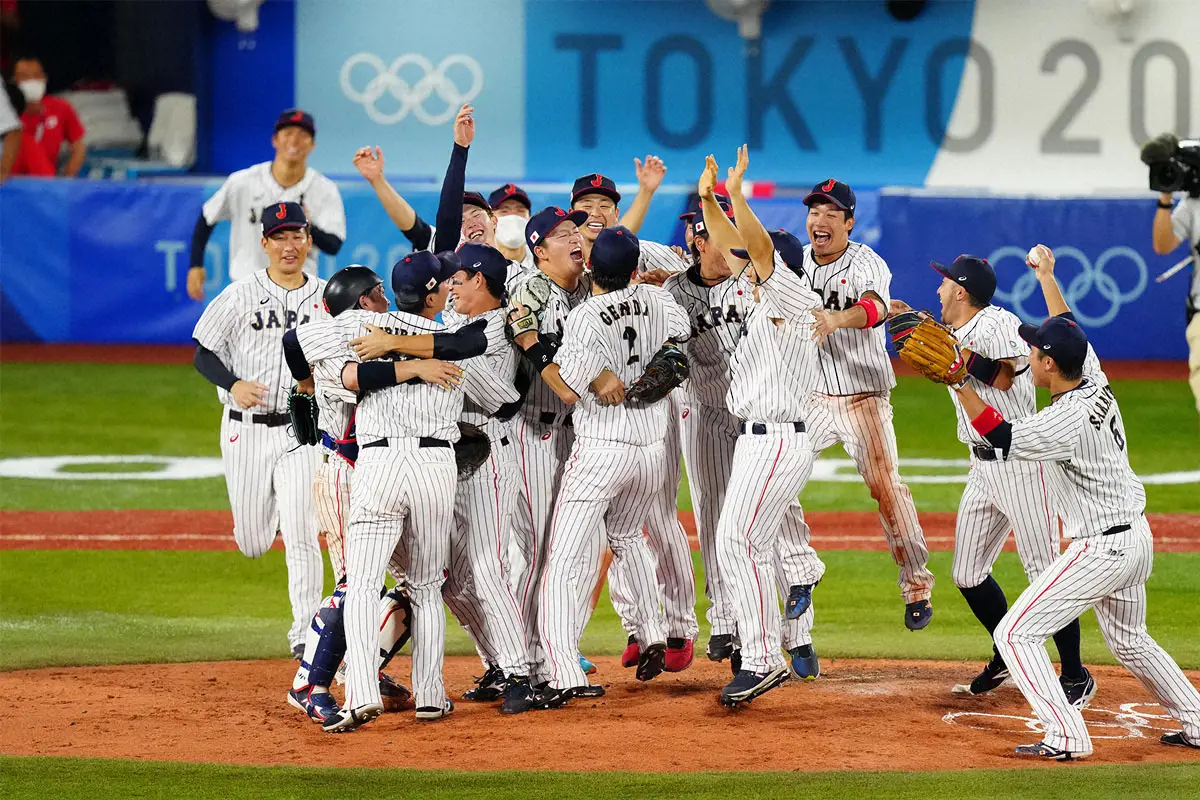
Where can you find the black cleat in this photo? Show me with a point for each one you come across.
(488, 687)
(993, 676)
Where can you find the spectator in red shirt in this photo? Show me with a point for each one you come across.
(47, 121)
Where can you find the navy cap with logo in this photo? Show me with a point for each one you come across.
(1060, 338)
(509, 191)
(485, 259)
(475, 199)
(698, 226)
(693, 206)
(616, 252)
(595, 184)
(972, 273)
(295, 118)
(283, 217)
(832, 191)
(418, 274)
(546, 220)
(790, 249)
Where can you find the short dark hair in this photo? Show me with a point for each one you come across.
(495, 288)
(975, 302)
(1070, 374)
(610, 282)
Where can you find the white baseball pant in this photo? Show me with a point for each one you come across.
(331, 499)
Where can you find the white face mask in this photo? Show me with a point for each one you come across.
(510, 231)
(34, 90)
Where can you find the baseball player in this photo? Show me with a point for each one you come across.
(511, 208)
(855, 377)
(616, 461)
(287, 178)
(1000, 495)
(1081, 437)
(772, 375)
(239, 349)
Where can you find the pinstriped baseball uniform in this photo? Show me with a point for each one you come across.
(1000, 495)
(241, 199)
(616, 465)
(851, 406)
(544, 436)
(660, 256)
(268, 476)
(1081, 435)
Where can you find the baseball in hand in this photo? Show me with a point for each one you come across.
(1033, 257)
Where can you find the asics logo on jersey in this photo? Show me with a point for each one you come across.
(289, 321)
(1091, 289)
(410, 97)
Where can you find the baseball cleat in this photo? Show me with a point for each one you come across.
(298, 652)
(488, 686)
(434, 713)
(632, 654)
(319, 706)
(518, 696)
(680, 654)
(587, 666)
(349, 719)
(396, 696)
(653, 662)
(546, 697)
(993, 676)
(720, 646)
(1043, 750)
(798, 600)
(1079, 693)
(917, 615)
(803, 664)
(746, 685)
(591, 690)
(1177, 739)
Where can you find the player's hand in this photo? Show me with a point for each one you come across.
(1041, 259)
(683, 254)
(369, 163)
(898, 307)
(655, 276)
(608, 388)
(527, 339)
(307, 386)
(464, 126)
(248, 394)
(649, 175)
(438, 372)
(733, 178)
(824, 323)
(708, 178)
(376, 344)
(195, 283)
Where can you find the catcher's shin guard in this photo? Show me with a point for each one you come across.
(331, 646)
(395, 626)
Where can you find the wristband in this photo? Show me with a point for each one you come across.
(868, 305)
(987, 421)
(539, 356)
(1165, 206)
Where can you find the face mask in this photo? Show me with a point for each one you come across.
(34, 90)
(510, 231)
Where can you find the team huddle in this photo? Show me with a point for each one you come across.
(511, 434)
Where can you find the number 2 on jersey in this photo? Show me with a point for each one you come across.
(630, 335)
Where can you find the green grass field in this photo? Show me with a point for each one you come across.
(105, 607)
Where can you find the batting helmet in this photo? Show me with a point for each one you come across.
(347, 286)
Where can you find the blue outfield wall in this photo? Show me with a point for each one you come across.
(84, 261)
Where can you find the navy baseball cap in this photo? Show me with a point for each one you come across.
(832, 191)
(419, 273)
(295, 118)
(595, 184)
(283, 217)
(693, 206)
(485, 259)
(475, 199)
(698, 217)
(1060, 338)
(509, 191)
(972, 273)
(615, 252)
(790, 249)
(546, 220)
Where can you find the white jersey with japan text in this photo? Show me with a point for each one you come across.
(992, 333)
(619, 331)
(774, 369)
(718, 315)
(241, 200)
(541, 398)
(852, 360)
(244, 326)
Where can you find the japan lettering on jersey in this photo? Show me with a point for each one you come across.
(1083, 432)
(719, 315)
(241, 199)
(774, 369)
(244, 326)
(619, 331)
(541, 398)
(992, 333)
(853, 360)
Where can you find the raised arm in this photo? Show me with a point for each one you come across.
(649, 177)
(1041, 259)
(721, 233)
(369, 164)
(754, 235)
(448, 224)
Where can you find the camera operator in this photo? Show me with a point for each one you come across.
(1175, 166)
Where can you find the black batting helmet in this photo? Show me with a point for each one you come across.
(347, 286)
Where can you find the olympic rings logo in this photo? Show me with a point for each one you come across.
(1090, 277)
(412, 96)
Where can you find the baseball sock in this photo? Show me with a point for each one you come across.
(988, 603)
(1067, 642)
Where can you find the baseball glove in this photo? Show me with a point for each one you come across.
(471, 450)
(666, 369)
(900, 327)
(932, 350)
(302, 408)
(533, 292)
